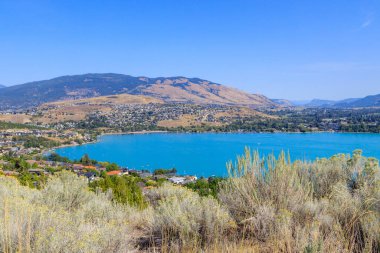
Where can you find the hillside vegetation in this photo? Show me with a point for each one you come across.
(266, 205)
(168, 89)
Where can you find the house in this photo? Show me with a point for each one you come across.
(191, 178)
(90, 176)
(177, 180)
(114, 173)
(89, 167)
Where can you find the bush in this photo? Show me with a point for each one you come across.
(122, 189)
(64, 217)
(183, 220)
(329, 205)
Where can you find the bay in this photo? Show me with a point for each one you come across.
(206, 154)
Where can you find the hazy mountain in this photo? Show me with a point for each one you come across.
(168, 89)
(2, 86)
(320, 103)
(369, 101)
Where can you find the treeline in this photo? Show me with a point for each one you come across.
(36, 142)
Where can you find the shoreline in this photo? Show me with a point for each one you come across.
(136, 132)
(97, 139)
(206, 132)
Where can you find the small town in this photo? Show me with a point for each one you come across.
(36, 141)
(122, 116)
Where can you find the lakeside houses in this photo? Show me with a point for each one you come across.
(92, 172)
(36, 141)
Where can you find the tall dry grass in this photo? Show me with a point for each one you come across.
(64, 217)
(266, 205)
(330, 205)
(184, 221)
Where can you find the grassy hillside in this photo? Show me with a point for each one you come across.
(169, 89)
(267, 205)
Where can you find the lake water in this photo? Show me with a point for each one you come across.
(206, 154)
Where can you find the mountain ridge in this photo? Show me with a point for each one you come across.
(177, 89)
(368, 101)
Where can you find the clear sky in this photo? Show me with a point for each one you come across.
(283, 49)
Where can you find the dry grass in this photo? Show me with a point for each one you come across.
(182, 220)
(267, 205)
(205, 93)
(326, 206)
(64, 217)
(15, 118)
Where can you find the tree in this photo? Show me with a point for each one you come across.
(85, 160)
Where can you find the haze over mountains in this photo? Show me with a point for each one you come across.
(168, 89)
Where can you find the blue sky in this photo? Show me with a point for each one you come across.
(282, 49)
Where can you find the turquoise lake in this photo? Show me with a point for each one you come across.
(206, 154)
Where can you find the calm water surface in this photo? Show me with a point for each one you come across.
(206, 154)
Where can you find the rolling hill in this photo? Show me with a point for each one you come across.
(168, 89)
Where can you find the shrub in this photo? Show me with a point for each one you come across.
(329, 205)
(123, 189)
(183, 220)
(64, 217)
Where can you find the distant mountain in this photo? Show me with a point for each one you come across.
(2, 86)
(320, 103)
(369, 101)
(169, 89)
